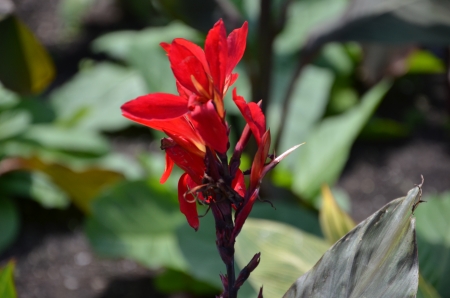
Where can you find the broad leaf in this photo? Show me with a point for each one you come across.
(82, 186)
(92, 99)
(388, 21)
(327, 147)
(7, 288)
(25, 65)
(378, 258)
(142, 51)
(9, 223)
(13, 122)
(81, 141)
(137, 220)
(285, 253)
(302, 17)
(334, 222)
(433, 239)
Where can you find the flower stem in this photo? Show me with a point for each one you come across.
(232, 293)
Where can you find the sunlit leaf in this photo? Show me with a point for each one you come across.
(137, 220)
(9, 223)
(425, 62)
(7, 288)
(13, 122)
(334, 221)
(286, 252)
(82, 186)
(92, 99)
(302, 17)
(142, 51)
(25, 65)
(433, 239)
(378, 258)
(394, 22)
(326, 150)
(67, 139)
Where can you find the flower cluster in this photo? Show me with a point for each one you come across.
(197, 132)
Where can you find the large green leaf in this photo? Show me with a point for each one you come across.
(378, 258)
(9, 223)
(302, 17)
(309, 100)
(13, 122)
(92, 99)
(67, 139)
(433, 239)
(142, 51)
(388, 21)
(25, 65)
(327, 147)
(285, 252)
(7, 288)
(137, 220)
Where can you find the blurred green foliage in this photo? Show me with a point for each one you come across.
(58, 146)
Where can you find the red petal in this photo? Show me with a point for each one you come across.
(167, 170)
(259, 160)
(155, 106)
(216, 54)
(185, 64)
(210, 126)
(238, 183)
(191, 163)
(165, 46)
(187, 202)
(236, 47)
(195, 50)
(253, 115)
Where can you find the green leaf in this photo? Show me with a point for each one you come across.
(378, 258)
(67, 139)
(35, 185)
(394, 22)
(426, 290)
(285, 253)
(327, 147)
(81, 185)
(92, 99)
(334, 221)
(13, 122)
(302, 17)
(9, 223)
(172, 281)
(434, 241)
(308, 104)
(7, 288)
(25, 65)
(137, 220)
(425, 62)
(142, 51)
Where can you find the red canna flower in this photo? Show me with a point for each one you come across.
(194, 119)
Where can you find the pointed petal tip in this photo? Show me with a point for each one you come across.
(287, 152)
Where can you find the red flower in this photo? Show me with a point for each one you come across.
(194, 119)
